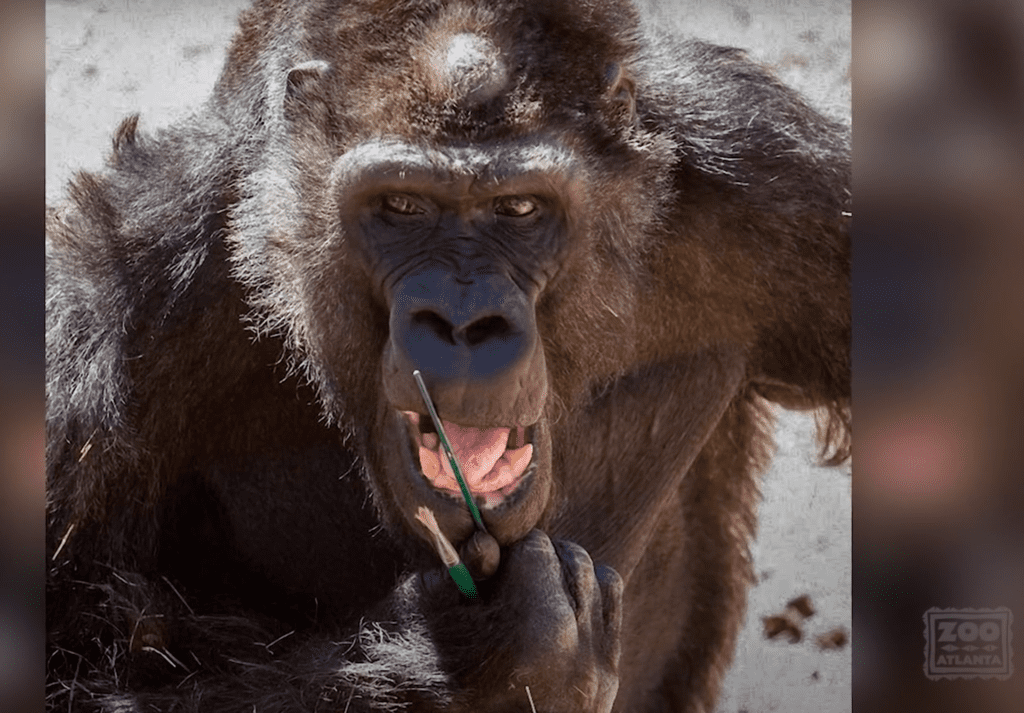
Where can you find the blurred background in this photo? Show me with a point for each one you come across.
(938, 339)
(938, 91)
(21, 354)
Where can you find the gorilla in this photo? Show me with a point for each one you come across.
(605, 249)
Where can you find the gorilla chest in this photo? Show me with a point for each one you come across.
(300, 525)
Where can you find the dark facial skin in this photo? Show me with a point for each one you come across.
(460, 242)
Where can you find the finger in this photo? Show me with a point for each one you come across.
(533, 558)
(612, 589)
(579, 578)
(531, 575)
(438, 587)
(481, 555)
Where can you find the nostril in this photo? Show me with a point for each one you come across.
(486, 328)
(437, 324)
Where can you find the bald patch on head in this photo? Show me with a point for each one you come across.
(467, 68)
(463, 57)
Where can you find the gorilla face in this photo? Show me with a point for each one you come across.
(477, 230)
(460, 243)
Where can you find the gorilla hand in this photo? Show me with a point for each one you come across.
(549, 620)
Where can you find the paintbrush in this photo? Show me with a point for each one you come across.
(446, 550)
(449, 453)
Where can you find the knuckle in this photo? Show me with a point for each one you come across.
(612, 584)
(535, 543)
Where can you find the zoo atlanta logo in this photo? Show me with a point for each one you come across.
(968, 643)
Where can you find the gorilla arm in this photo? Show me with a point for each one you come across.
(763, 201)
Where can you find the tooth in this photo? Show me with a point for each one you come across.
(446, 468)
(519, 458)
(430, 464)
(436, 474)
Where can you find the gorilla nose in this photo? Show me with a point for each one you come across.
(476, 349)
(476, 345)
(473, 334)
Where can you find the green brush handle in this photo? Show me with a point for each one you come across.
(463, 581)
(449, 453)
(466, 495)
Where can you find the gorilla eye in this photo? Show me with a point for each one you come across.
(515, 206)
(398, 203)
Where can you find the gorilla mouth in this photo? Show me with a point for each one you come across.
(495, 462)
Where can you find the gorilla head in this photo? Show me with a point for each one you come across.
(483, 178)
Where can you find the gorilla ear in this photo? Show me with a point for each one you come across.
(303, 95)
(620, 92)
(302, 77)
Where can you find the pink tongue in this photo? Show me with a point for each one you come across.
(476, 449)
(485, 464)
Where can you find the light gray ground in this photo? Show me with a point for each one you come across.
(110, 58)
